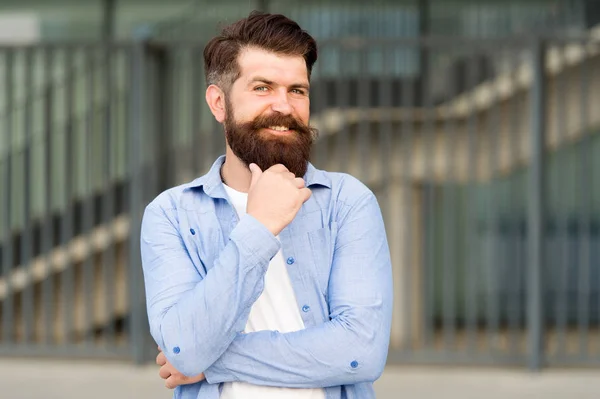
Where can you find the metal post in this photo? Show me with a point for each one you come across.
(26, 237)
(137, 325)
(7, 246)
(424, 49)
(262, 5)
(108, 20)
(165, 94)
(48, 287)
(536, 209)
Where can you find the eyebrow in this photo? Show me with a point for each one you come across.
(259, 79)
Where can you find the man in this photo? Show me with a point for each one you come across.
(267, 278)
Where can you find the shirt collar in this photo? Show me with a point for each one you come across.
(213, 186)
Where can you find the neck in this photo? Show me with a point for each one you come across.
(235, 173)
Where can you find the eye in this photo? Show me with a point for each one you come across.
(300, 92)
(261, 88)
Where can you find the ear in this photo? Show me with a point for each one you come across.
(215, 98)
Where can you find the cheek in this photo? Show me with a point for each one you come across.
(250, 109)
(303, 112)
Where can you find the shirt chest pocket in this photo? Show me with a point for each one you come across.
(322, 248)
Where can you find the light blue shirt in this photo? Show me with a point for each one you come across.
(204, 268)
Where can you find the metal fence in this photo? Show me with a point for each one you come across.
(486, 183)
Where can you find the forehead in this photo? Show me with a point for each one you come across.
(282, 69)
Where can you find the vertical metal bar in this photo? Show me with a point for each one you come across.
(89, 166)
(196, 104)
(584, 225)
(166, 92)
(48, 235)
(170, 132)
(158, 81)
(429, 135)
(122, 115)
(186, 142)
(262, 5)
(138, 76)
(562, 230)
(363, 140)
(448, 198)
(424, 7)
(319, 103)
(496, 257)
(67, 283)
(407, 99)
(108, 200)
(108, 20)
(472, 251)
(26, 240)
(7, 246)
(385, 143)
(513, 229)
(342, 96)
(595, 197)
(536, 208)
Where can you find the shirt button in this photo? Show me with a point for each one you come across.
(193, 231)
(176, 350)
(354, 364)
(305, 308)
(290, 260)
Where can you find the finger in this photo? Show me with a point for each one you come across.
(171, 382)
(299, 182)
(175, 380)
(161, 359)
(278, 168)
(305, 193)
(256, 174)
(164, 372)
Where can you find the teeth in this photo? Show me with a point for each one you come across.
(279, 128)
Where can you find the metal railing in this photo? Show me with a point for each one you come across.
(64, 215)
(488, 194)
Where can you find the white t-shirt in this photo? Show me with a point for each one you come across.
(275, 309)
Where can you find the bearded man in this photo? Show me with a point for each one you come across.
(266, 277)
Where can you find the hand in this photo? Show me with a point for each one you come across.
(172, 377)
(275, 196)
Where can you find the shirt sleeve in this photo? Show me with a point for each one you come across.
(348, 349)
(194, 318)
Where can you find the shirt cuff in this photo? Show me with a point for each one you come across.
(252, 236)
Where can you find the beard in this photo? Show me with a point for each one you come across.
(251, 144)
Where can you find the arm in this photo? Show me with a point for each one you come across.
(198, 313)
(351, 347)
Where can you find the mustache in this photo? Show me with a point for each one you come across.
(266, 121)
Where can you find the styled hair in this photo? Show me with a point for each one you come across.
(271, 32)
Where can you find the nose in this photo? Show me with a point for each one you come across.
(281, 103)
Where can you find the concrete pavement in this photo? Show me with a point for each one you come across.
(52, 379)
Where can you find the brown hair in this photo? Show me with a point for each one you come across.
(271, 32)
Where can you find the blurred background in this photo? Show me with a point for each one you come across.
(476, 123)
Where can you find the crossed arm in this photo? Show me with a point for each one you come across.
(201, 317)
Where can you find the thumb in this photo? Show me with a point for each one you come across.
(256, 174)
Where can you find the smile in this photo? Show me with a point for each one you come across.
(279, 129)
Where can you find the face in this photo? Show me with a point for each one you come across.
(267, 111)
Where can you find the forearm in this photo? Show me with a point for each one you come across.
(340, 352)
(195, 320)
